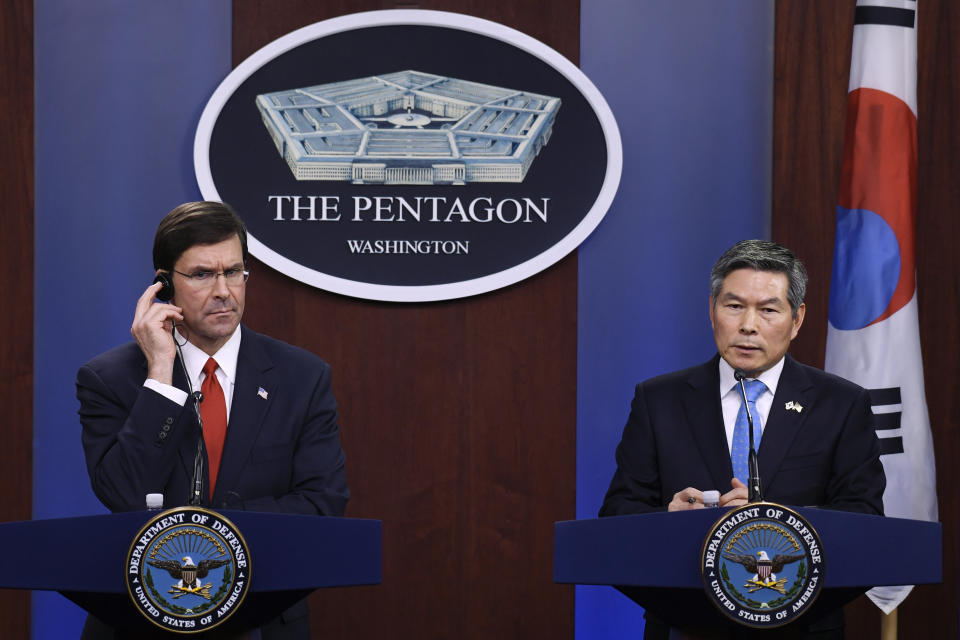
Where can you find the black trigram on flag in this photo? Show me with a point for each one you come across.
(885, 420)
(879, 14)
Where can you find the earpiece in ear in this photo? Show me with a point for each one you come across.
(165, 294)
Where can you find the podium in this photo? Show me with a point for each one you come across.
(84, 559)
(653, 558)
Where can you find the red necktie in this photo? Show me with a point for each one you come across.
(213, 411)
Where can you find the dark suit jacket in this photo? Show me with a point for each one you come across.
(281, 453)
(825, 455)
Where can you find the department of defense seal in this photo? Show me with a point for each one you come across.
(188, 570)
(762, 565)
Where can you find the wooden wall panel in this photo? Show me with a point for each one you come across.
(458, 418)
(812, 66)
(938, 269)
(16, 284)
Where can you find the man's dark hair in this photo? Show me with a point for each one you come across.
(195, 223)
(762, 255)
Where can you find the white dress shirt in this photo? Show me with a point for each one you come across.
(730, 398)
(194, 359)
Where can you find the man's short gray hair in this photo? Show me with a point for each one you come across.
(762, 255)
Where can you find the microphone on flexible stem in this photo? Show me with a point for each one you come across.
(754, 494)
(196, 495)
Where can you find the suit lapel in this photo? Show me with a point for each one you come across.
(705, 417)
(253, 392)
(784, 424)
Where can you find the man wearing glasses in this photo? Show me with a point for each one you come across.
(270, 438)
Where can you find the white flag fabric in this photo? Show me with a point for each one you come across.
(873, 336)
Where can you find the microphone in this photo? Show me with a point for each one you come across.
(754, 494)
(196, 496)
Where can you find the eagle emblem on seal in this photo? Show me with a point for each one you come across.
(188, 575)
(763, 568)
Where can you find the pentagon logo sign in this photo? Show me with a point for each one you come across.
(408, 128)
(762, 565)
(409, 155)
(188, 570)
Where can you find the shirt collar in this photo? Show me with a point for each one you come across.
(769, 378)
(194, 358)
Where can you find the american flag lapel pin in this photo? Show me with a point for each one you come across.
(262, 393)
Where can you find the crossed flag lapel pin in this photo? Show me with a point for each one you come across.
(793, 406)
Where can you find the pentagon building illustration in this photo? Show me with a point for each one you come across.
(408, 127)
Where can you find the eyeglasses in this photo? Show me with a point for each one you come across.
(207, 279)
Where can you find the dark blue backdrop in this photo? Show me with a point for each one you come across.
(119, 89)
(691, 86)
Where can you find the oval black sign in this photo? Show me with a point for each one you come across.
(410, 155)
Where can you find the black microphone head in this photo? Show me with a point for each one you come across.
(198, 396)
(739, 374)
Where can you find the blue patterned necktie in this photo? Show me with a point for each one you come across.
(740, 452)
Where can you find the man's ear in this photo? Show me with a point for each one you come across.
(798, 320)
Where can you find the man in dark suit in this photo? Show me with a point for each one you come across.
(270, 440)
(816, 444)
